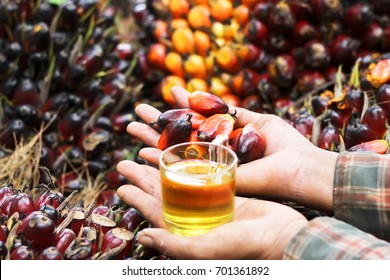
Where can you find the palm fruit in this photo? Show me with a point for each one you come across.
(66, 67)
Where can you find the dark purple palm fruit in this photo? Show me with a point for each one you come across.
(304, 31)
(373, 38)
(304, 123)
(375, 118)
(283, 70)
(357, 132)
(382, 97)
(357, 17)
(343, 50)
(316, 54)
(329, 138)
(281, 18)
(326, 10)
(354, 99)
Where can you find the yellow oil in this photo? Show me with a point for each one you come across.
(197, 196)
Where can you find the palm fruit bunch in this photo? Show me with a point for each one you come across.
(208, 120)
(258, 54)
(354, 116)
(67, 74)
(48, 227)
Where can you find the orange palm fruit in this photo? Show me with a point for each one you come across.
(199, 17)
(179, 8)
(195, 84)
(227, 59)
(202, 43)
(194, 150)
(199, 2)
(156, 55)
(244, 82)
(183, 41)
(251, 144)
(380, 73)
(207, 104)
(379, 146)
(241, 14)
(177, 23)
(210, 62)
(166, 84)
(160, 30)
(195, 66)
(234, 137)
(231, 99)
(174, 64)
(249, 3)
(222, 10)
(218, 87)
(214, 125)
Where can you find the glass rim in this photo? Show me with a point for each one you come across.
(229, 150)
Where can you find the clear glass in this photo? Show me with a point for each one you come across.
(198, 187)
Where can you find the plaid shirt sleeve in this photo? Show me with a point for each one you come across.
(362, 192)
(361, 214)
(327, 238)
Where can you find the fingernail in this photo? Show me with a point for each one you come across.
(145, 240)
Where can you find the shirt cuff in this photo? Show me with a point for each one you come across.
(361, 197)
(326, 238)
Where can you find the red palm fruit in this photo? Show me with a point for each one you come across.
(118, 237)
(234, 137)
(6, 191)
(281, 18)
(78, 221)
(132, 219)
(5, 206)
(101, 223)
(3, 235)
(319, 104)
(22, 253)
(102, 210)
(214, 125)
(90, 235)
(26, 93)
(23, 204)
(244, 82)
(63, 239)
(310, 80)
(304, 124)
(207, 104)
(81, 249)
(114, 179)
(176, 132)
(50, 253)
(124, 51)
(283, 70)
(316, 54)
(375, 118)
(91, 60)
(251, 144)
(199, 17)
(156, 56)
(13, 132)
(50, 197)
(357, 17)
(304, 31)
(329, 10)
(37, 230)
(159, 30)
(373, 37)
(356, 132)
(231, 99)
(379, 146)
(256, 32)
(382, 97)
(329, 138)
(343, 50)
(171, 115)
(354, 100)
(109, 198)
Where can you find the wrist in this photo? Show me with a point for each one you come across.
(314, 184)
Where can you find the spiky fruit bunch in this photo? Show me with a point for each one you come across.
(54, 227)
(257, 54)
(64, 68)
(354, 116)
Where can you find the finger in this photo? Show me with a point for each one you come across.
(147, 113)
(145, 177)
(149, 206)
(224, 242)
(144, 133)
(181, 96)
(151, 155)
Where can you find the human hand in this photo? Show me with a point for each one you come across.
(260, 230)
(292, 168)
